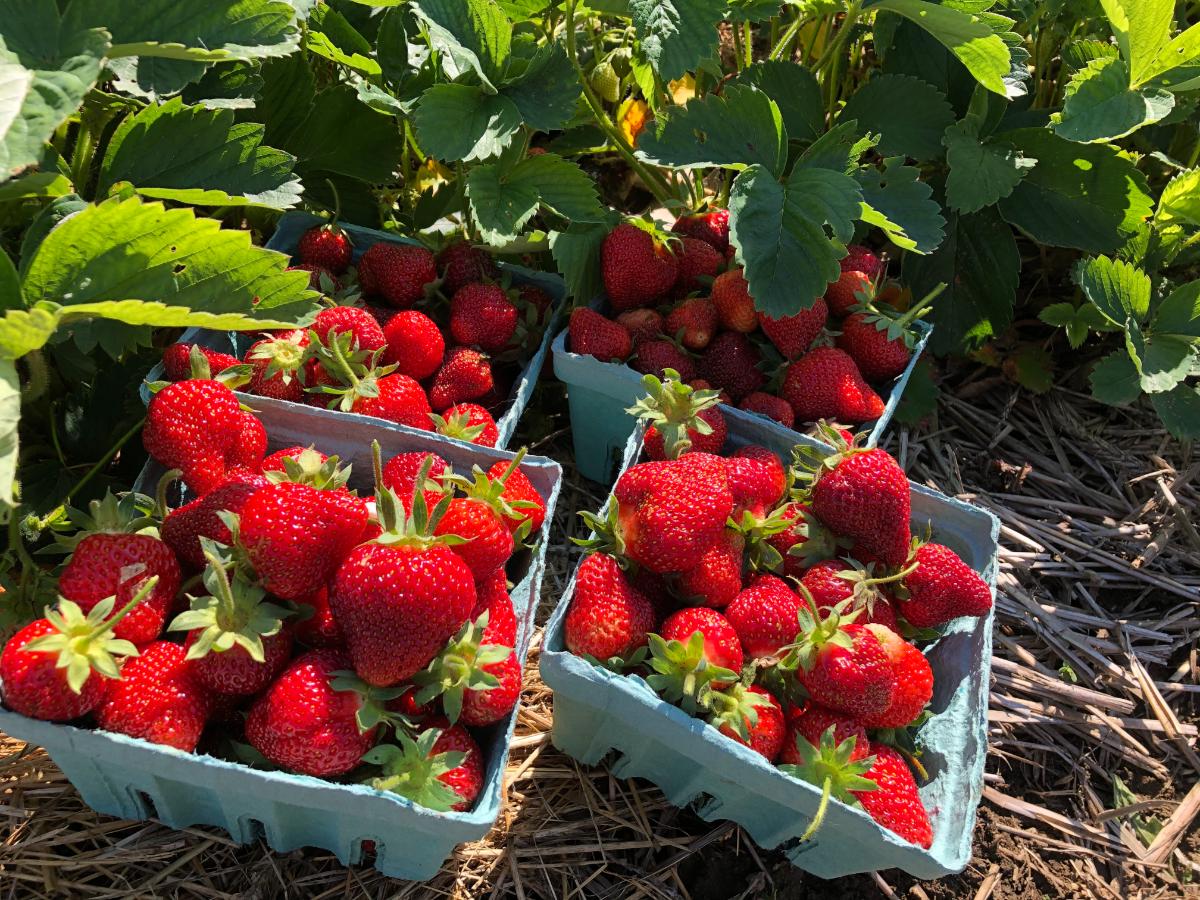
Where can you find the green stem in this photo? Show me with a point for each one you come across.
(748, 44)
(834, 50)
(81, 158)
(106, 459)
(780, 49)
(820, 816)
(737, 48)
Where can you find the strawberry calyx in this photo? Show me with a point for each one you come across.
(85, 643)
(830, 767)
(865, 592)
(810, 462)
(457, 426)
(817, 632)
(762, 556)
(284, 356)
(357, 371)
(673, 407)
(490, 491)
(460, 667)
(372, 706)
(414, 528)
(681, 673)
(130, 513)
(606, 534)
(896, 325)
(735, 707)
(313, 468)
(233, 377)
(414, 771)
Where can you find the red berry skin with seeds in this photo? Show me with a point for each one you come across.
(296, 536)
(608, 615)
(856, 680)
(825, 384)
(461, 264)
(493, 598)
(235, 671)
(672, 512)
(712, 227)
(943, 588)
(465, 375)
(843, 295)
(768, 732)
(701, 443)
(275, 461)
(401, 400)
(481, 315)
(414, 344)
(104, 565)
(518, 488)
(770, 406)
(914, 680)
(489, 543)
(400, 273)
(757, 480)
(33, 684)
(793, 335)
(735, 306)
(485, 707)
(191, 425)
(467, 779)
(717, 578)
(764, 615)
(861, 259)
(400, 475)
(474, 416)
(320, 629)
(895, 803)
(283, 384)
(397, 606)
(303, 724)
(368, 335)
(879, 358)
(250, 447)
(327, 247)
(637, 270)
(158, 699)
(813, 722)
(177, 362)
(866, 497)
(697, 259)
(730, 363)
(642, 325)
(593, 335)
(721, 644)
(655, 357)
(315, 275)
(693, 322)
(183, 527)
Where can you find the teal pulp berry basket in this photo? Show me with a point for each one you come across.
(598, 393)
(133, 779)
(597, 712)
(287, 237)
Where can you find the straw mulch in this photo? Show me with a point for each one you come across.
(1095, 680)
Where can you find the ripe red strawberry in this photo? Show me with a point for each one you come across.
(766, 730)
(861, 259)
(693, 322)
(462, 264)
(109, 561)
(158, 698)
(353, 385)
(415, 345)
(672, 512)
(493, 598)
(319, 277)
(277, 461)
(520, 494)
(304, 723)
(756, 478)
(793, 335)
(479, 683)
(721, 646)
(847, 292)
(638, 267)
(191, 425)
(593, 335)
(442, 769)
(942, 588)
(482, 315)
(770, 406)
(319, 628)
(177, 361)
(825, 384)
(711, 227)
(842, 666)
(804, 542)
(655, 357)
(832, 581)
(895, 803)
(465, 375)
(296, 535)
(914, 680)
(353, 319)
(864, 495)
(813, 722)
(278, 362)
(488, 544)
(400, 273)
(735, 306)
(401, 473)
(327, 246)
(717, 578)
(608, 617)
(731, 363)
(880, 357)
(698, 260)
(681, 419)
(248, 450)
(642, 324)
(183, 527)
(764, 615)
(401, 400)
(468, 422)
(465, 779)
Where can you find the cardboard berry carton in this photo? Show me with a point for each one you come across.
(286, 240)
(598, 712)
(134, 779)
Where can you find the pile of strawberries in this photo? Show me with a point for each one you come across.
(436, 350)
(281, 618)
(677, 301)
(779, 602)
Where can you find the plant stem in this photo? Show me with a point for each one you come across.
(748, 44)
(105, 459)
(81, 158)
(781, 46)
(833, 51)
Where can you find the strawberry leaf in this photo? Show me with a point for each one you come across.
(676, 34)
(908, 114)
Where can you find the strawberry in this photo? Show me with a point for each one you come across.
(478, 683)
(880, 357)
(764, 615)
(593, 335)
(731, 362)
(657, 356)
(693, 322)
(793, 335)
(523, 498)
(835, 764)
(735, 306)
(642, 325)
(864, 495)
(804, 542)
(478, 519)
(638, 267)
(608, 617)
(483, 315)
(367, 335)
(315, 626)
(327, 246)
(309, 720)
(158, 698)
(248, 450)
(461, 264)
(191, 426)
(756, 478)
(841, 665)
(277, 461)
(465, 375)
(368, 389)
(319, 277)
(696, 654)
(763, 731)
(825, 383)
(680, 418)
(670, 513)
(699, 384)
(699, 261)
(177, 361)
(415, 345)
(399, 598)
(942, 588)
(493, 598)
(914, 680)
(862, 259)
(111, 558)
(843, 295)
(183, 528)
(717, 578)
(832, 581)
(279, 366)
(400, 273)
(895, 803)
(813, 722)
(401, 473)
(468, 422)
(770, 406)
(711, 227)
(441, 769)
